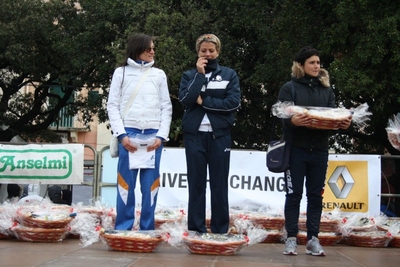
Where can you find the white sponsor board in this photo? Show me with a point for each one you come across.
(42, 163)
(252, 186)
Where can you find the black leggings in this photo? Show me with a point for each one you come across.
(310, 166)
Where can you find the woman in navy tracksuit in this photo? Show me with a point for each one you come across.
(309, 149)
(210, 95)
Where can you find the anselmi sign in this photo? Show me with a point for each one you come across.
(45, 163)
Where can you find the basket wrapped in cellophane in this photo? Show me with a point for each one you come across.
(373, 239)
(44, 217)
(214, 244)
(324, 118)
(133, 241)
(35, 234)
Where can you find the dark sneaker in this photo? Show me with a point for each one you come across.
(290, 246)
(314, 248)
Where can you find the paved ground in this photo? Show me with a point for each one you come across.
(15, 253)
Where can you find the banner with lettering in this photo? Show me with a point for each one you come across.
(352, 182)
(42, 163)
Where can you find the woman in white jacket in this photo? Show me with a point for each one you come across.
(141, 124)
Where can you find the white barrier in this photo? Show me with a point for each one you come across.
(352, 184)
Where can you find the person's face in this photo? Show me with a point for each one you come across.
(148, 54)
(312, 66)
(208, 50)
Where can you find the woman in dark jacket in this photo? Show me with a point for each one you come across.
(210, 94)
(309, 149)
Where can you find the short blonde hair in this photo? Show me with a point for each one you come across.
(208, 38)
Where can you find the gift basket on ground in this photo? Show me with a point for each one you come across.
(226, 244)
(167, 215)
(391, 225)
(271, 220)
(329, 234)
(323, 118)
(42, 223)
(363, 231)
(133, 241)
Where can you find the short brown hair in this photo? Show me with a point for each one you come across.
(208, 38)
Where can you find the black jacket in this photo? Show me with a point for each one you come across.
(309, 91)
(221, 99)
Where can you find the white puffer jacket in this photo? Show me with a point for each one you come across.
(151, 109)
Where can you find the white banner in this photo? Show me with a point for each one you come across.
(42, 163)
(353, 182)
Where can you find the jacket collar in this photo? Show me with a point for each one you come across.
(134, 64)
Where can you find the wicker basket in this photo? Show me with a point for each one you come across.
(40, 234)
(373, 239)
(159, 222)
(273, 236)
(325, 225)
(6, 236)
(133, 241)
(386, 225)
(268, 222)
(230, 245)
(395, 242)
(323, 118)
(30, 221)
(325, 238)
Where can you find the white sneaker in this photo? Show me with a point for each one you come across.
(314, 248)
(290, 246)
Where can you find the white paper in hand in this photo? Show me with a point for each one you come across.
(141, 158)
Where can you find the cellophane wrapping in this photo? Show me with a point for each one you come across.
(393, 131)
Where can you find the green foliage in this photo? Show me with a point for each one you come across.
(43, 42)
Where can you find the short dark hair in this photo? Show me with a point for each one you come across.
(137, 44)
(304, 53)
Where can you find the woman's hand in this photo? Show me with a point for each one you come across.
(201, 65)
(155, 145)
(199, 100)
(345, 124)
(128, 145)
(301, 119)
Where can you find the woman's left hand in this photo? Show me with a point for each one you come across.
(155, 145)
(345, 124)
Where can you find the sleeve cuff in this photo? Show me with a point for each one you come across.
(121, 136)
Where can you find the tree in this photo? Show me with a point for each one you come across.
(365, 66)
(76, 48)
(54, 44)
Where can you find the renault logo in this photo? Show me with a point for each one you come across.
(341, 173)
